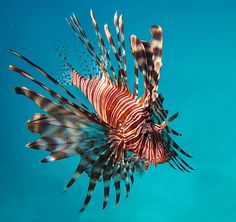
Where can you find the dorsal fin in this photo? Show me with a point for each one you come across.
(76, 27)
(104, 53)
(139, 54)
(147, 57)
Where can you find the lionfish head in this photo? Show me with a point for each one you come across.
(154, 147)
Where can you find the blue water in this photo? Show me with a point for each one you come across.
(197, 80)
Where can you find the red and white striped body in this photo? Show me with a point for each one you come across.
(120, 110)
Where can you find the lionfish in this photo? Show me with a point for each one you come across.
(126, 133)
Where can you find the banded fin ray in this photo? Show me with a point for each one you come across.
(119, 50)
(124, 176)
(119, 27)
(147, 56)
(123, 51)
(96, 174)
(156, 45)
(76, 27)
(104, 52)
(67, 144)
(136, 83)
(139, 54)
(116, 179)
(107, 174)
(47, 75)
(62, 100)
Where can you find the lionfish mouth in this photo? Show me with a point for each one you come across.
(69, 128)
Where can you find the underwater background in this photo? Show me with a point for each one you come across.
(198, 80)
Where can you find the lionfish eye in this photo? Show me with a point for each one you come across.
(145, 134)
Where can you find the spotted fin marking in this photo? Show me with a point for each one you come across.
(65, 77)
(43, 72)
(76, 27)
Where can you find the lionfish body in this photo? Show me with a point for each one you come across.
(126, 133)
(127, 115)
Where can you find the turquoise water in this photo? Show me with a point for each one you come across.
(197, 80)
